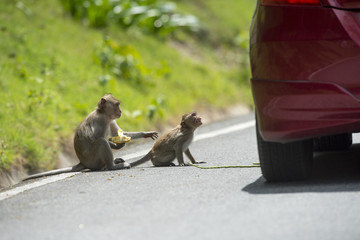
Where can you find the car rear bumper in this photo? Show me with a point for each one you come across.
(305, 71)
(293, 110)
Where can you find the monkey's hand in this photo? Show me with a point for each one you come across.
(116, 146)
(152, 135)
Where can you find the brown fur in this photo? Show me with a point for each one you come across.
(173, 143)
(90, 140)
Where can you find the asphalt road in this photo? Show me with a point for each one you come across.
(191, 203)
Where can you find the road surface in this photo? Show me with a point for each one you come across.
(190, 203)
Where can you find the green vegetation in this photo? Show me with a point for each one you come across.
(149, 16)
(54, 67)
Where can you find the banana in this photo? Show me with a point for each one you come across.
(121, 138)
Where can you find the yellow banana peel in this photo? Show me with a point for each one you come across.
(121, 138)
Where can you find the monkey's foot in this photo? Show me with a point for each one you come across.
(183, 164)
(119, 160)
(121, 164)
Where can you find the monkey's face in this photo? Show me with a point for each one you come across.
(196, 119)
(111, 106)
(192, 119)
(117, 110)
(112, 110)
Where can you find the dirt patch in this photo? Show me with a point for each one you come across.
(14, 175)
(67, 158)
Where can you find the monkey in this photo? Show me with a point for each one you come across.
(173, 143)
(91, 145)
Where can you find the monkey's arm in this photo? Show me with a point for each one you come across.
(188, 154)
(114, 128)
(113, 132)
(179, 156)
(135, 135)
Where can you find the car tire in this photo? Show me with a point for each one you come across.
(285, 161)
(333, 143)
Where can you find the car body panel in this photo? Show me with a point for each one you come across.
(341, 4)
(294, 110)
(305, 65)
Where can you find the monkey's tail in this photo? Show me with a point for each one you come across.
(142, 160)
(77, 168)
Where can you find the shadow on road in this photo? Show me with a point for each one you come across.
(332, 172)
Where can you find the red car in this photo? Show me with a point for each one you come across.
(305, 62)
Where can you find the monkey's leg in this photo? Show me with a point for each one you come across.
(166, 164)
(192, 159)
(164, 160)
(101, 155)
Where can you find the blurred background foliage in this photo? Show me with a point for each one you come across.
(160, 58)
(149, 16)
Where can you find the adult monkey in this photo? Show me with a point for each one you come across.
(90, 141)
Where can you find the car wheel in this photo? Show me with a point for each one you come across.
(333, 143)
(285, 161)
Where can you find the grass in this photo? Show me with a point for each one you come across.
(51, 76)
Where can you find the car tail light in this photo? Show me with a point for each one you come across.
(290, 2)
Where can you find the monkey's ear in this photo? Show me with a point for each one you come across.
(183, 124)
(183, 118)
(102, 103)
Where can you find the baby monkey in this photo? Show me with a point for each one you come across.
(173, 143)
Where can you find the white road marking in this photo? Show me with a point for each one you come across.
(36, 184)
(51, 179)
(234, 128)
